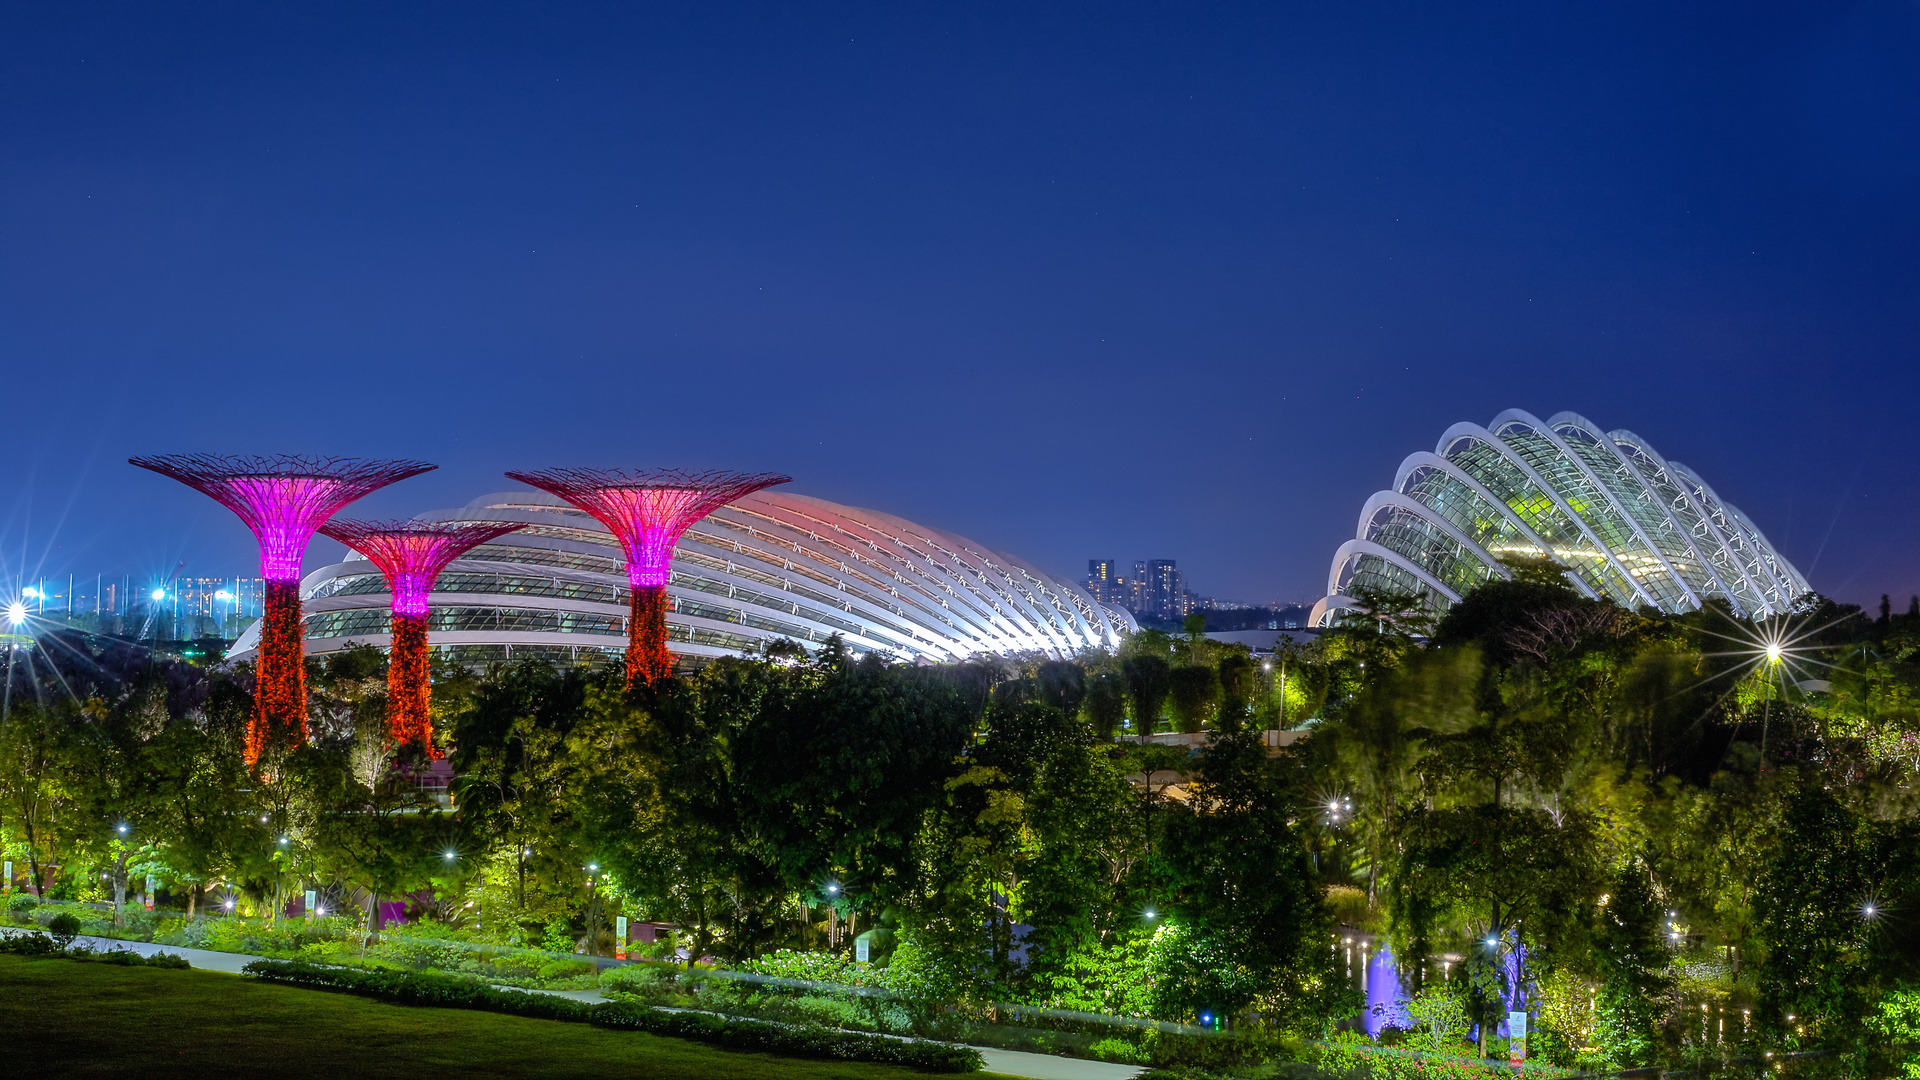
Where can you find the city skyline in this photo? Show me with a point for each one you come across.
(838, 237)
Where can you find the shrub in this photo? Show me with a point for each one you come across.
(763, 1037)
(418, 988)
(39, 944)
(64, 927)
(127, 958)
(29, 944)
(825, 1011)
(1122, 1051)
(565, 969)
(645, 982)
(21, 907)
(811, 966)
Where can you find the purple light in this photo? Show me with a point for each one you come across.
(284, 512)
(656, 519)
(412, 554)
(1386, 1002)
(648, 512)
(284, 500)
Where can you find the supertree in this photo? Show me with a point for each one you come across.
(411, 554)
(648, 512)
(283, 499)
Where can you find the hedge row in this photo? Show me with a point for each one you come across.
(420, 988)
(38, 944)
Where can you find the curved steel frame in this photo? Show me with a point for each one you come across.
(1724, 539)
(770, 565)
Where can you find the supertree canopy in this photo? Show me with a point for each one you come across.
(648, 512)
(411, 554)
(283, 499)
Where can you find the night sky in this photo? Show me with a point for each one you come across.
(1170, 280)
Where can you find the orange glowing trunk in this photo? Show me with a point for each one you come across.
(280, 687)
(409, 701)
(647, 655)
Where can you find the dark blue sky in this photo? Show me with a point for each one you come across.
(1165, 280)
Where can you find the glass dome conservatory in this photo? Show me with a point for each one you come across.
(769, 566)
(1631, 526)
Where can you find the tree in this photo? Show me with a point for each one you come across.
(1388, 613)
(1518, 876)
(1083, 842)
(1819, 965)
(1106, 703)
(1236, 688)
(1149, 679)
(1195, 692)
(1632, 960)
(1062, 684)
(38, 794)
(1250, 925)
(836, 772)
(516, 782)
(653, 774)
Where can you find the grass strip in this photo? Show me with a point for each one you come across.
(85, 1020)
(441, 991)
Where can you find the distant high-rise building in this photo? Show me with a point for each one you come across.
(1166, 589)
(1105, 583)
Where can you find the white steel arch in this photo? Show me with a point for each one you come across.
(1686, 542)
(772, 565)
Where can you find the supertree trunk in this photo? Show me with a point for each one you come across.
(412, 554)
(283, 499)
(647, 655)
(280, 687)
(409, 716)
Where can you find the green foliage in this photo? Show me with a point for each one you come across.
(1248, 923)
(60, 945)
(64, 927)
(1827, 958)
(1194, 690)
(1149, 680)
(1114, 977)
(647, 982)
(1439, 1019)
(1635, 983)
(1542, 751)
(1897, 1019)
(1106, 703)
(441, 991)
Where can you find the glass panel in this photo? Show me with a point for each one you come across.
(1426, 545)
(1509, 483)
(1369, 571)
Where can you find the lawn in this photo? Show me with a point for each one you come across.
(62, 1018)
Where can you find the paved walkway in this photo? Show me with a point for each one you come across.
(1019, 1063)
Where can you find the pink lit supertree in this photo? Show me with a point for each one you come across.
(411, 554)
(648, 512)
(283, 499)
